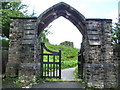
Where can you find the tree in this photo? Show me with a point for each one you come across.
(67, 43)
(10, 9)
(5, 42)
(116, 33)
(44, 33)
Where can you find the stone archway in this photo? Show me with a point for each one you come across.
(54, 12)
(99, 69)
(61, 9)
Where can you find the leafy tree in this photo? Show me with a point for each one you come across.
(44, 33)
(67, 43)
(5, 42)
(116, 33)
(10, 9)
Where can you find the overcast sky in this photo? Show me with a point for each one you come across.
(62, 27)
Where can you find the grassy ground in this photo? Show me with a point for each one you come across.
(69, 55)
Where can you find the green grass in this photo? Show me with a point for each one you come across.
(69, 55)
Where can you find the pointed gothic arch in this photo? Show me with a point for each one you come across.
(61, 9)
(54, 12)
(99, 66)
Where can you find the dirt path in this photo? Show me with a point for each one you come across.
(67, 73)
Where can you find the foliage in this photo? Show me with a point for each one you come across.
(5, 42)
(116, 33)
(44, 33)
(76, 72)
(10, 9)
(69, 55)
(67, 43)
(5, 45)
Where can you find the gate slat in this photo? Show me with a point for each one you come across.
(48, 65)
(54, 66)
(50, 69)
(60, 64)
(56, 70)
(45, 69)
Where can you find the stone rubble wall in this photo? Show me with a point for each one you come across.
(21, 48)
(116, 57)
(99, 68)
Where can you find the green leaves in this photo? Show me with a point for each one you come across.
(44, 33)
(116, 33)
(10, 9)
(5, 43)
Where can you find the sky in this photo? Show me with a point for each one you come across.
(64, 30)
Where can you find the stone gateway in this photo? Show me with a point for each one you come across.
(96, 64)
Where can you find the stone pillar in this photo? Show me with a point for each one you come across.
(22, 62)
(99, 69)
(116, 53)
(110, 67)
(15, 36)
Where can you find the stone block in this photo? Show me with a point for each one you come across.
(92, 28)
(29, 72)
(94, 42)
(29, 32)
(29, 26)
(27, 41)
(92, 32)
(26, 37)
(12, 69)
(93, 37)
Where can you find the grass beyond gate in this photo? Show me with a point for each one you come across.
(69, 55)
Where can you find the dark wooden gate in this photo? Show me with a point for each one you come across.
(50, 63)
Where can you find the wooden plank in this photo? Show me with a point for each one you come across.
(50, 69)
(48, 66)
(41, 61)
(56, 70)
(45, 70)
(49, 54)
(60, 64)
(50, 62)
(53, 66)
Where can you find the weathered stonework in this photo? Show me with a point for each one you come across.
(21, 49)
(97, 66)
(116, 57)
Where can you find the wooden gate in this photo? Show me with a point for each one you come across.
(50, 63)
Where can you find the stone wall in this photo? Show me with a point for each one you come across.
(99, 68)
(21, 60)
(116, 57)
